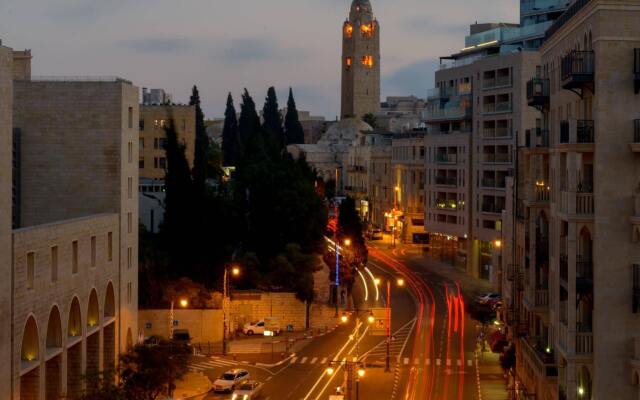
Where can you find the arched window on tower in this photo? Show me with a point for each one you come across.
(367, 30)
(367, 61)
(347, 62)
(348, 30)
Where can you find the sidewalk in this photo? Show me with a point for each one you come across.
(490, 377)
(192, 386)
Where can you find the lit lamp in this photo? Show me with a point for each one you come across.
(347, 242)
(361, 373)
(498, 243)
(344, 318)
(371, 318)
(400, 282)
(330, 371)
(184, 303)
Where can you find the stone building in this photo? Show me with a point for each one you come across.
(572, 269)
(153, 121)
(70, 297)
(360, 64)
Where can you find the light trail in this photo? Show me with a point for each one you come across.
(366, 289)
(373, 279)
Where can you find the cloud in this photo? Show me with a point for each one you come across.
(436, 26)
(258, 49)
(84, 10)
(414, 78)
(157, 45)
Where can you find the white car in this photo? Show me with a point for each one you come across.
(249, 390)
(488, 298)
(230, 380)
(259, 327)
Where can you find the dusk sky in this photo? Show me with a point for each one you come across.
(226, 45)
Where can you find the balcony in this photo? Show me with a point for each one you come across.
(538, 93)
(493, 183)
(577, 204)
(577, 132)
(496, 82)
(447, 180)
(495, 108)
(459, 113)
(443, 158)
(537, 138)
(540, 357)
(564, 269)
(584, 343)
(355, 189)
(635, 145)
(492, 208)
(356, 169)
(636, 70)
(577, 71)
(497, 133)
(496, 158)
(449, 205)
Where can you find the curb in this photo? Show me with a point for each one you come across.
(279, 363)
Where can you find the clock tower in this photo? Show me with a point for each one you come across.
(360, 62)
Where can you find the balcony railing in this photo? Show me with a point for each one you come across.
(448, 114)
(443, 204)
(577, 69)
(496, 133)
(538, 92)
(493, 158)
(443, 158)
(542, 193)
(564, 269)
(494, 183)
(500, 107)
(577, 131)
(537, 137)
(492, 208)
(541, 298)
(575, 203)
(543, 363)
(446, 180)
(584, 343)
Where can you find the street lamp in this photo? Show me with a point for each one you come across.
(344, 318)
(235, 271)
(347, 242)
(183, 303)
(400, 282)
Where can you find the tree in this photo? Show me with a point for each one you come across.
(293, 127)
(272, 125)
(102, 386)
(350, 227)
(370, 119)
(249, 124)
(201, 146)
(147, 371)
(230, 135)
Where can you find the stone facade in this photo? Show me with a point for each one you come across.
(360, 64)
(72, 298)
(153, 119)
(6, 101)
(408, 159)
(203, 325)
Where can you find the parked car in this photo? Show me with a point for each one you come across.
(230, 380)
(374, 234)
(248, 390)
(259, 327)
(182, 336)
(488, 298)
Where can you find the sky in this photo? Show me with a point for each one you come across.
(226, 45)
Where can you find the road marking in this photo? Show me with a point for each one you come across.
(448, 362)
(416, 361)
(324, 361)
(428, 362)
(459, 363)
(268, 378)
(406, 360)
(293, 360)
(313, 360)
(438, 362)
(304, 360)
(469, 363)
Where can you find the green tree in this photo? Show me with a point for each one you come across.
(293, 128)
(272, 125)
(370, 119)
(103, 386)
(230, 134)
(249, 123)
(148, 371)
(201, 146)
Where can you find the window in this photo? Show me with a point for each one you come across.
(129, 187)
(129, 291)
(141, 163)
(156, 123)
(54, 263)
(110, 245)
(31, 269)
(347, 62)
(348, 30)
(141, 124)
(74, 257)
(155, 162)
(129, 257)
(162, 143)
(130, 152)
(130, 117)
(155, 143)
(141, 143)
(184, 124)
(367, 61)
(367, 30)
(162, 162)
(129, 222)
(93, 251)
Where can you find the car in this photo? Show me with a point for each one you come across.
(488, 298)
(230, 380)
(248, 390)
(374, 234)
(259, 327)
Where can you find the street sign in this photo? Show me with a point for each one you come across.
(380, 317)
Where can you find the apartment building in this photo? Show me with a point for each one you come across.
(580, 209)
(70, 262)
(408, 160)
(153, 121)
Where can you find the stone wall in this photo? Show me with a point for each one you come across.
(203, 325)
(252, 306)
(6, 99)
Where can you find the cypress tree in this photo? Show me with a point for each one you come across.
(230, 135)
(293, 127)
(201, 146)
(272, 125)
(249, 123)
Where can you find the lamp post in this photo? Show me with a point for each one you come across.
(400, 283)
(335, 241)
(350, 366)
(235, 271)
(183, 303)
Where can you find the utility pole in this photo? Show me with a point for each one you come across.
(335, 241)
(387, 366)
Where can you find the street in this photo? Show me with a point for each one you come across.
(432, 351)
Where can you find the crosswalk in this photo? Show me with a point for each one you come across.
(397, 345)
(211, 363)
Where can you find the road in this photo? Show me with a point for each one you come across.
(432, 350)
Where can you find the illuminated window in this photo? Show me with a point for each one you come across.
(348, 62)
(93, 251)
(367, 30)
(367, 61)
(348, 30)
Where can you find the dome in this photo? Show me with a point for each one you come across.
(345, 130)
